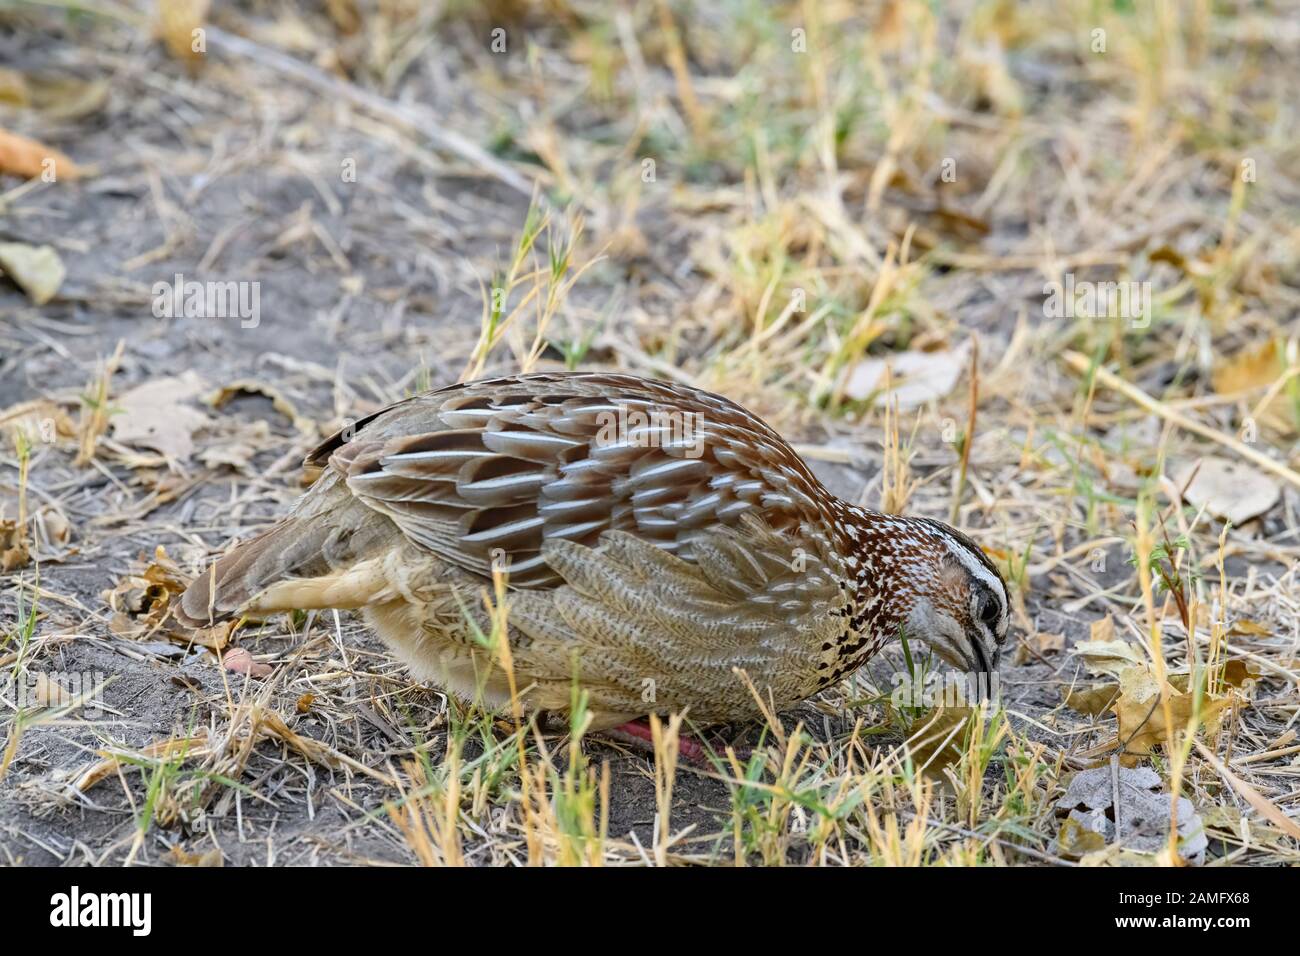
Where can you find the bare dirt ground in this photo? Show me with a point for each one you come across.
(760, 202)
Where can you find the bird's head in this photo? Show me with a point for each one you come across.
(962, 608)
(934, 583)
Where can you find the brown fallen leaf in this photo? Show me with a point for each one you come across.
(1245, 626)
(178, 24)
(215, 638)
(1142, 721)
(248, 386)
(20, 156)
(209, 858)
(1075, 840)
(937, 738)
(37, 270)
(1093, 700)
(1048, 643)
(1102, 629)
(14, 552)
(13, 88)
(304, 703)
(141, 600)
(1249, 369)
(1236, 672)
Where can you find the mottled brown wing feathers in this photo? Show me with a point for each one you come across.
(494, 470)
(498, 468)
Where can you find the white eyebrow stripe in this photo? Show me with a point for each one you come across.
(977, 569)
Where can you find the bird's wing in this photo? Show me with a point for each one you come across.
(496, 470)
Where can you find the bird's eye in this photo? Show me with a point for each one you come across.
(990, 611)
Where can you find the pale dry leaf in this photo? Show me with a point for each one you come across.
(918, 377)
(156, 415)
(52, 532)
(68, 99)
(39, 421)
(937, 738)
(37, 270)
(1143, 814)
(1110, 657)
(1227, 489)
(240, 661)
(1093, 699)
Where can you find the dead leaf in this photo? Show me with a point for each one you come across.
(236, 455)
(1228, 489)
(918, 377)
(1102, 629)
(14, 552)
(1110, 657)
(1093, 700)
(68, 99)
(141, 600)
(178, 21)
(51, 531)
(1142, 722)
(37, 270)
(210, 858)
(20, 156)
(1236, 672)
(1246, 626)
(1251, 368)
(304, 703)
(344, 13)
(1048, 643)
(154, 415)
(39, 422)
(248, 386)
(215, 638)
(1139, 823)
(13, 88)
(937, 738)
(1076, 839)
(240, 660)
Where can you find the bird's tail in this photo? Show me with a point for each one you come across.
(300, 562)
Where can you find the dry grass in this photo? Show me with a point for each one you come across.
(747, 197)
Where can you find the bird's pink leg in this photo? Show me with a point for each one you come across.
(687, 746)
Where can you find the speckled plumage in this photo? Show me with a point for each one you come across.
(650, 559)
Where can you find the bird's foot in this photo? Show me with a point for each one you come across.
(639, 734)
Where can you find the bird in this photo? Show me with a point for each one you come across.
(654, 543)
